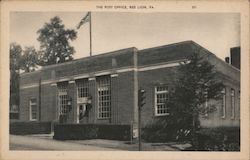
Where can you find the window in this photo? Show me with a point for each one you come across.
(62, 99)
(232, 103)
(206, 108)
(161, 97)
(223, 92)
(82, 89)
(14, 109)
(104, 97)
(239, 95)
(33, 109)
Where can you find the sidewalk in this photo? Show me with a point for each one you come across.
(125, 145)
(46, 141)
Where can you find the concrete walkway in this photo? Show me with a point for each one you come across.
(34, 143)
(46, 142)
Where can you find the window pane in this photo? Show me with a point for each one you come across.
(104, 96)
(33, 109)
(232, 103)
(62, 98)
(82, 88)
(161, 95)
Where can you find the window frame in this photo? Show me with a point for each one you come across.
(62, 97)
(224, 104)
(155, 99)
(105, 99)
(82, 88)
(232, 94)
(31, 105)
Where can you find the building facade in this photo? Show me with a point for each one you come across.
(103, 88)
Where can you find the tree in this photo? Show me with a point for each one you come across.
(196, 83)
(15, 55)
(29, 59)
(54, 42)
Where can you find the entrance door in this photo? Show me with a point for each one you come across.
(81, 110)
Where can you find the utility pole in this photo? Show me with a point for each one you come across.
(141, 102)
(40, 99)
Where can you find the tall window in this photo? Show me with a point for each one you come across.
(62, 98)
(104, 97)
(223, 92)
(82, 89)
(232, 103)
(33, 109)
(161, 97)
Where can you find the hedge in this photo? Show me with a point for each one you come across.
(159, 132)
(23, 128)
(91, 131)
(218, 139)
(205, 139)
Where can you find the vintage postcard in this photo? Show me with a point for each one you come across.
(124, 79)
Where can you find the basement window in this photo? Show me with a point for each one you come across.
(161, 97)
(33, 109)
(104, 97)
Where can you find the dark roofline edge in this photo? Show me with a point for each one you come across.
(212, 54)
(79, 59)
(130, 48)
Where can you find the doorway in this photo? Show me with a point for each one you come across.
(81, 111)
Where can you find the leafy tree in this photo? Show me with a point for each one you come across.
(15, 55)
(54, 42)
(196, 83)
(29, 59)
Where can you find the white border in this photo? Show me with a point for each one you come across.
(241, 6)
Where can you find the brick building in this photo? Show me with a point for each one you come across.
(103, 88)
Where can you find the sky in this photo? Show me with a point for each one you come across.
(217, 32)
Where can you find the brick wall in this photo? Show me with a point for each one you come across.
(215, 119)
(125, 98)
(48, 102)
(147, 81)
(26, 95)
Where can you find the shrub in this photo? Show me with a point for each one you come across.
(91, 131)
(161, 131)
(218, 139)
(23, 128)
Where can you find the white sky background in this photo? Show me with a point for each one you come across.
(217, 32)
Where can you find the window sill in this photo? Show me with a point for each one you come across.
(160, 115)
